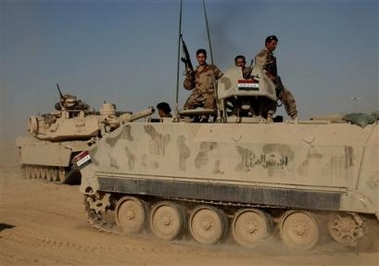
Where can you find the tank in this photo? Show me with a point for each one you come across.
(54, 138)
(237, 178)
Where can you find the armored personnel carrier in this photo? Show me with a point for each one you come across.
(56, 137)
(236, 178)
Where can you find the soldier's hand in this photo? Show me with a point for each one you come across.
(247, 72)
(279, 91)
(188, 72)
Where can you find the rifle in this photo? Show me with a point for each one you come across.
(186, 57)
(247, 71)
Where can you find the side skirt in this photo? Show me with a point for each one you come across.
(268, 196)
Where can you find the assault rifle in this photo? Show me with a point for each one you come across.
(186, 56)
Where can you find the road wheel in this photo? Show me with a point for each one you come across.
(251, 226)
(131, 214)
(62, 174)
(208, 224)
(299, 229)
(54, 174)
(167, 220)
(27, 171)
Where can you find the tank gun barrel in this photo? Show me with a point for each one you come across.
(132, 117)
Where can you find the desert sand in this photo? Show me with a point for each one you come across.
(44, 223)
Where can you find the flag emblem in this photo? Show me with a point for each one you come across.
(83, 159)
(248, 84)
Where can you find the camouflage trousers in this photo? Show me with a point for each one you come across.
(198, 99)
(286, 97)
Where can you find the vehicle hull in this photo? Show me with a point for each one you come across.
(309, 165)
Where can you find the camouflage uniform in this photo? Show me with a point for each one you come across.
(201, 82)
(267, 61)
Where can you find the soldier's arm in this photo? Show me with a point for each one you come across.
(217, 72)
(189, 82)
(261, 59)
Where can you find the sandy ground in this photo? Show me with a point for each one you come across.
(44, 224)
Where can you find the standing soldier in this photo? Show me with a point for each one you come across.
(202, 83)
(267, 61)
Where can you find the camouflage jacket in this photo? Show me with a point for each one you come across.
(267, 61)
(203, 79)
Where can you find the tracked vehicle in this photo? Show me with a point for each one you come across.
(237, 177)
(55, 138)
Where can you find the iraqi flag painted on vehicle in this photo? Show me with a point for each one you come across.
(248, 84)
(83, 159)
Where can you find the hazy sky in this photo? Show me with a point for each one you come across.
(126, 51)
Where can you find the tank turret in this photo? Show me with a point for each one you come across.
(55, 138)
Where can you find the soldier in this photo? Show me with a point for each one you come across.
(164, 109)
(240, 61)
(70, 102)
(267, 61)
(202, 83)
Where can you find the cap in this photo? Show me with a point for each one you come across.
(271, 38)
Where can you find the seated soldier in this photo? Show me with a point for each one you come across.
(240, 61)
(70, 102)
(164, 109)
(201, 81)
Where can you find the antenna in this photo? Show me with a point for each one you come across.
(356, 99)
(178, 66)
(211, 54)
(209, 37)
